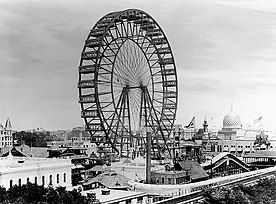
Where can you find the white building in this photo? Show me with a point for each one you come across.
(6, 134)
(43, 171)
(233, 137)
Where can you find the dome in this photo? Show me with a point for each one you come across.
(232, 120)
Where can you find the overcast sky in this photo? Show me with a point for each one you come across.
(225, 51)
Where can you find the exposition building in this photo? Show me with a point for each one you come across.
(6, 134)
(233, 137)
(43, 171)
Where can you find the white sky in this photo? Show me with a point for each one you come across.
(225, 52)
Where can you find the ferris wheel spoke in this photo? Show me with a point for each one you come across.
(142, 75)
(123, 28)
(136, 29)
(127, 55)
(123, 61)
(151, 55)
(127, 74)
(140, 58)
(107, 105)
(115, 68)
(134, 56)
(129, 28)
(118, 31)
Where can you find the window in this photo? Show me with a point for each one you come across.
(10, 183)
(43, 180)
(169, 180)
(57, 178)
(35, 180)
(51, 180)
(19, 182)
(64, 177)
(28, 180)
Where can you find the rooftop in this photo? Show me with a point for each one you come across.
(27, 151)
(194, 169)
(262, 154)
(11, 163)
(114, 196)
(109, 179)
(100, 168)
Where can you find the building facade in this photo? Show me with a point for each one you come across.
(6, 134)
(232, 138)
(43, 171)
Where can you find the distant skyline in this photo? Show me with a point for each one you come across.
(225, 51)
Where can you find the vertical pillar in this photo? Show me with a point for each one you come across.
(148, 162)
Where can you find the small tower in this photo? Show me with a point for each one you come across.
(8, 125)
(205, 125)
(205, 130)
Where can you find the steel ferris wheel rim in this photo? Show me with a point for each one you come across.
(102, 64)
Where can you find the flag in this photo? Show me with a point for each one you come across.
(191, 124)
(258, 120)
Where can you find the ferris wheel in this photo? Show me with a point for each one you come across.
(128, 83)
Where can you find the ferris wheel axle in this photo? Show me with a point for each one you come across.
(135, 87)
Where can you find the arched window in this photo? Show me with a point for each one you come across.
(43, 180)
(51, 180)
(10, 183)
(28, 180)
(19, 182)
(64, 177)
(35, 180)
(57, 178)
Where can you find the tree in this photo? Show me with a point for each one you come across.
(3, 194)
(35, 194)
(264, 192)
(32, 139)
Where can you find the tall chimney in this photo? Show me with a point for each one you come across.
(148, 162)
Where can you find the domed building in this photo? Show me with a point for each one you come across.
(234, 138)
(231, 126)
(232, 121)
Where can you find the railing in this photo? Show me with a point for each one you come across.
(196, 193)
